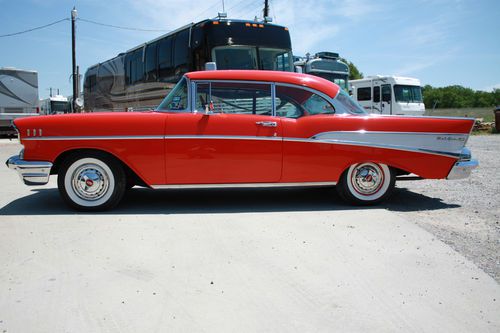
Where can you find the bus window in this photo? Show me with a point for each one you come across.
(151, 60)
(235, 57)
(386, 93)
(274, 59)
(165, 69)
(181, 54)
(134, 67)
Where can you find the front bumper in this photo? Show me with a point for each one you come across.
(31, 172)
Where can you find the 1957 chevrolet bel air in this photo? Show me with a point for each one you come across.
(235, 129)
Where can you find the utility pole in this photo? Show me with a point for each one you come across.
(266, 10)
(73, 54)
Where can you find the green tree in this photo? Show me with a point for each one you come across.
(354, 72)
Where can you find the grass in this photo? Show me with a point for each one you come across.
(485, 113)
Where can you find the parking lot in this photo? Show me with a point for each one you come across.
(254, 259)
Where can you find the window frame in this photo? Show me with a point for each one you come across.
(368, 94)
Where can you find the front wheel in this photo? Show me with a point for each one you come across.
(91, 182)
(366, 183)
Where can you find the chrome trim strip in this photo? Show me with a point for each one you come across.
(241, 185)
(225, 137)
(372, 145)
(110, 137)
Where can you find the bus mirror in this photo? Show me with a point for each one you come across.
(210, 66)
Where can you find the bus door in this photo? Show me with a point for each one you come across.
(386, 104)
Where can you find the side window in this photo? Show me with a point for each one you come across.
(294, 102)
(386, 93)
(181, 53)
(105, 78)
(134, 67)
(364, 94)
(165, 69)
(236, 98)
(177, 99)
(376, 94)
(150, 65)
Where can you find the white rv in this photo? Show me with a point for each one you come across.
(18, 96)
(55, 105)
(389, 95)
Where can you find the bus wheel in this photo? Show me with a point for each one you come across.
(366, 183)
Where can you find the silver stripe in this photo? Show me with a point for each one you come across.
(241, 185)
(225, 137)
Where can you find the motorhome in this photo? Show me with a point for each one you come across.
(55, 105)
(18, 96)
(389, 95)
(326, 65)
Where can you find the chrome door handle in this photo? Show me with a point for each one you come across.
(267, 123)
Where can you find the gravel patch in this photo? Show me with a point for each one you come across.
(464, 214)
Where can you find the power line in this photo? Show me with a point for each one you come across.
(120, 27)
(33, 29)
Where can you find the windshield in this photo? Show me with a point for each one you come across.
(252, 57)
(408, 94)
(177, 99)
(338, 79)
(343, 103)
(59, 106)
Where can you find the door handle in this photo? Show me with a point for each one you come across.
(267, 123)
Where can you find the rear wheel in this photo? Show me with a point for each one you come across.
(366, 183)
(91, 182)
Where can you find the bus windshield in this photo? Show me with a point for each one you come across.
(408, 94)
(59, 107)
(338, 79)
(252, 57)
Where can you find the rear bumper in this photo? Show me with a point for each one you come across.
(462, 169)
(31, 172)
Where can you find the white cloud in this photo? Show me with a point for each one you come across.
(491, 88)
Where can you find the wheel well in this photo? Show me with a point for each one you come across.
(132, 177)
(397, 171)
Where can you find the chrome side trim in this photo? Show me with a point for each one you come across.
(225, 137)
(110, 137)
(450, 144)
(242, 185)
(31, 172)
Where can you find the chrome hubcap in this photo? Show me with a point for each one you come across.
(367, 178)
(90, 182)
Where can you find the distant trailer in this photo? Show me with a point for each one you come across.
(18, 96)
(389, 95)
(55, 105)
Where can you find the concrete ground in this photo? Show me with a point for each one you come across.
(278, 260)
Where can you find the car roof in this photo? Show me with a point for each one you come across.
(305, 80)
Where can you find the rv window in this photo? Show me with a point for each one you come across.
(364, 94)
(386, 93)
(376, 94)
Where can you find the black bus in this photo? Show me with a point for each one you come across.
(140, 78)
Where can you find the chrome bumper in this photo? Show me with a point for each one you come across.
(31, 172)
(462, 169)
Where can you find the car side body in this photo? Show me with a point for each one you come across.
(246, 128)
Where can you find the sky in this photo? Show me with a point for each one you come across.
(440, 42)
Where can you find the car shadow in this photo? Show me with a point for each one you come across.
(198, 201)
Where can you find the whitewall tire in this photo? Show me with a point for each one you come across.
(91, 182)
(366, 183)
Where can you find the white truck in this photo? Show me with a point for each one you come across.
(57, 104)
(18, 96)
(389, 95)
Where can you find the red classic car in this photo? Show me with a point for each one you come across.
(236, 129)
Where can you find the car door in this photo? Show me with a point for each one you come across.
(231, 137)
